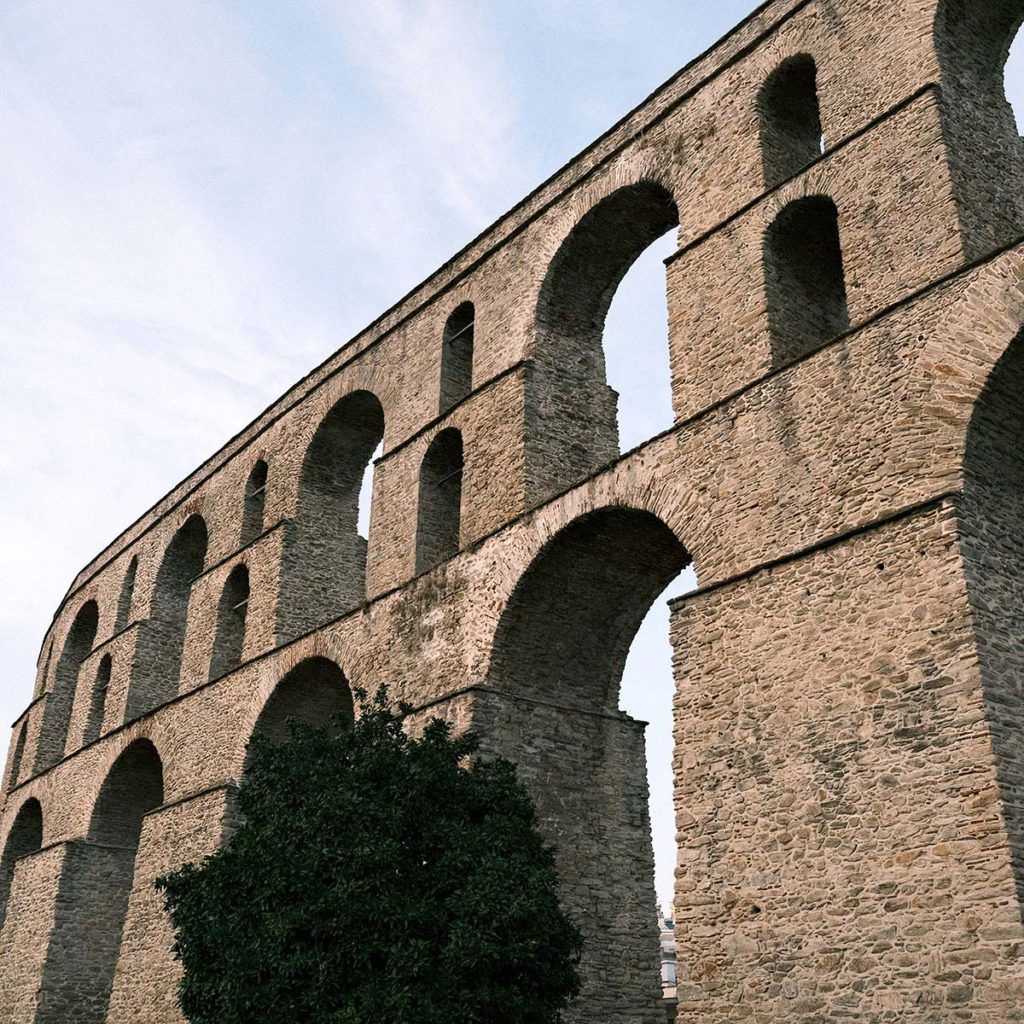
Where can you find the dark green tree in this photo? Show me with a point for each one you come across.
(376, 879)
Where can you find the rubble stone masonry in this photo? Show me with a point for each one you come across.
(846, 472)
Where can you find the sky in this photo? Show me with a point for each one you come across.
(204, 199)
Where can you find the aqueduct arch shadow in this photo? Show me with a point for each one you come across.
(17, 756)
(315, 692)
(57, 712)
(574, 401)
(324, 565)
(992, 521)
(24, 838)
(566, 631)
(972, 41)
(95, 887)
(558, 658)
(157, 671)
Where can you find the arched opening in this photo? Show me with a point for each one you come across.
(440, 501)
(571, 406)
(646, 694)
(457, 356)
(325, 557)
(98, 700)
(43, 678)
(366, 497)
(255, 501)
(124, 602)
(57, 711)
(805, 283)
(973, 40)
(17, 756)
(992, 522)
(231, 613)
(157, 669)
(24, 838)
(314, 693)
(790, 119)
(97, 881)
(561, 649)
(133, 787)
(636, 346)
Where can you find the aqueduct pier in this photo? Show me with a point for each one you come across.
(846, 470)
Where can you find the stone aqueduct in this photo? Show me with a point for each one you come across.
(846, 469)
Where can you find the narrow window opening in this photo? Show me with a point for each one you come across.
(157, 671)
(61, 696)
(790, 115)
(19, 754)
(230, 639)
(255, 501)
(440, 501)
(43, 678)
(804, 279)
(124, 602)
(98, 700)
(457, 356)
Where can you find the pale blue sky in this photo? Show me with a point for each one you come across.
(202, 199)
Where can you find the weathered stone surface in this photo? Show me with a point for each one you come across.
(850, 759)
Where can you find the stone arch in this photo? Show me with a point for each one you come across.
(573, 398)
(17, 756)
(43, 675)
(988, 307)
(972, 41)
(53, 733)
(558, 655)
(25, 837)
(255, 503)
(157, 670)
(457, 356)
(133, 787)
(789, 115)
(95, 887)
(805, 281)
(992, 523)
(124, 601)
(98, 700)
(566, 629)
(232, 610)
(315, 692)
(439, 507)
(324, 571)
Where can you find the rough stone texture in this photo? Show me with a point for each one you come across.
(27, 933)
(145, 985)
(850, 762)
(840, 827)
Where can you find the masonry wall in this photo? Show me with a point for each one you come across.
(842, 846)
(848, 776)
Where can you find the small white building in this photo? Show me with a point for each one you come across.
(666, 928)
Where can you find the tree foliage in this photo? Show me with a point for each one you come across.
(377, 878)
